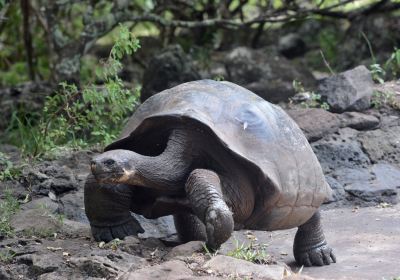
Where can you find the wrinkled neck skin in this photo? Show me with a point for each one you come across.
(168, 171)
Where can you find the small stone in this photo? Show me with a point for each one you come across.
(104, 264)
(171, 270)
(186, 249)
(54, 248)
(232, 266)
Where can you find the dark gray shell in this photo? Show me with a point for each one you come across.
(290, 184)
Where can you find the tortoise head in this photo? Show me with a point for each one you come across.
(115, 166)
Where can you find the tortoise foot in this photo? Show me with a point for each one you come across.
(219, 226)
(322, 255)
(203, 188)
(108, 233)
(310, 247)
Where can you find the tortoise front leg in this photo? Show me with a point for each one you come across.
(108, 210)
(310, 247)
(203, 188)
(189, 227)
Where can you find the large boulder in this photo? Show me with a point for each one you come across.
(314, 122)
(291, 45)
(348, 91)
(27, 97)
(263, 71)
(167, 69)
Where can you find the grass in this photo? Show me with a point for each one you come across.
(251, 252)
(39, 233)
(8, 207)
(7, 256)
(209, 252)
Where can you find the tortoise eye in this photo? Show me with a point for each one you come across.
(109, 162)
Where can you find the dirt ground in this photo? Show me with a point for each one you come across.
(366, 242)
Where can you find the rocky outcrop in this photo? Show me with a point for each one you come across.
(359, 153)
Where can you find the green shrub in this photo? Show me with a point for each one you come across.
(382, 98)
(7, 169)
(78, 117)
(313, 99)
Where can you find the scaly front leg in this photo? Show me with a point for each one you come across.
(108, 210)
(203, 188)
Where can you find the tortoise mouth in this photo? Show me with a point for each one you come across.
(109, 177)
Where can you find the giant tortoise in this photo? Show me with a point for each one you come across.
(218, 158)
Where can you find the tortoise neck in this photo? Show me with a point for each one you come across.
(169, 170)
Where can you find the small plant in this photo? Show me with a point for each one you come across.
(7, 169)
(114, 244)
(7, 256)
(58, 217)
(393, 63)
(378, 73)
(315, 102)
(210, 253)
(219, 78)
(8, 207)
(382, 98)
(252, 252)
(311, 99)
(298, 86)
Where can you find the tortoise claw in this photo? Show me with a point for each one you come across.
(108, 233)
(319, 256)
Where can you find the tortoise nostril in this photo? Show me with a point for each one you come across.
(109, 162)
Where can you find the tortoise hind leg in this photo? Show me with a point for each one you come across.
(108, 210)
(189, 227)
(310, 247)
(203, 188)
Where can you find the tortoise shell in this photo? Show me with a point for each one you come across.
(289, 182)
